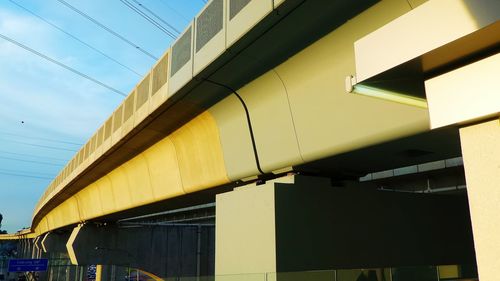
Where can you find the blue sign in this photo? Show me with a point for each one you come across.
(22, 265)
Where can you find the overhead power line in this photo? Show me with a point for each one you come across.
(40, 145)
(175, 11)
(39, 138)
(33, 156)
(107, 29)
(31, 161)
(74, 37)
(157, 17)
(17, 171)
(148, 18)
(24, 176)
(62, 65)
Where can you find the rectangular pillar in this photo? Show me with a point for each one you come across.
(307, 225)
(481, 154)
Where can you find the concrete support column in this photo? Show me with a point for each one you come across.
(304, 224)
(173, 251)
(481, 154)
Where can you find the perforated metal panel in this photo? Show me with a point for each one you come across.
(142, 92)
(87, 150)
(235, 6)
(181, 52)
(129, 107)
(117, 120)
(209, 23)
(107, 128)
(92, 144)
(242, 16)
(80, 157)
(100, 136)
(160, 76)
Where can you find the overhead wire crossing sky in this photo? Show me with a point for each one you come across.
(62, 65)
(107, 29)
(75, 38)
(148, 18)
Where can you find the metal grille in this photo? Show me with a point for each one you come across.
(99, 136)
(209, 23)
(235, 6)
(142, 92)
(92, 144)
(117, 121)
(160, 76)
(107, 128)
(87, 150)
(80, 156)
(181, 52)
(129, 107)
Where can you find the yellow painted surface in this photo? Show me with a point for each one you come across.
(9, 237)
(328, 120)
(120, 187)
(199, 154)
(276, 3)
(164, 171)
(235, 138)
(246, 214)
(481, 154)
(299, 112)
(189, 160)
(416, 3)
(448, 271)
(69, 244)
(465, 94)
(272, 122)
(106, 192)
(420, 31)
(67, 212)
(98, 272)
(138, 178)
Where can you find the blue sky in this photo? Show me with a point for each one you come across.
(45, 110)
